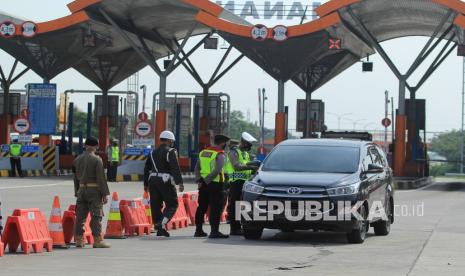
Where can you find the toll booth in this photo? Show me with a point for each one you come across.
(416, 151)
(310, 117)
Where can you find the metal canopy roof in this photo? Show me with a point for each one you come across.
(305, 56)
(59, 46)
(399, 18)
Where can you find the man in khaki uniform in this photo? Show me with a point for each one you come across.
(91, 190)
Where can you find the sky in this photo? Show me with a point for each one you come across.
(361, 95)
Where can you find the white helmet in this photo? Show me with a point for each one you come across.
(167, 135)
(248, 138)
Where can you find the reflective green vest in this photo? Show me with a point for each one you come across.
(114, 154)
(207, 159)
(15, 150)
(243, 158)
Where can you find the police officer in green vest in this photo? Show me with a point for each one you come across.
(113, 161)
(15, 158)
(209, 173)
(239, 171)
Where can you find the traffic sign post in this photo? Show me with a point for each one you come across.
(22, 125)
(259, 32)
(280, 33)
(7, 29)
(143, 128)
(28, 29)
(143, 116)
(386, 122)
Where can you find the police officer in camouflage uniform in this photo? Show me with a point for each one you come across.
(91, 190)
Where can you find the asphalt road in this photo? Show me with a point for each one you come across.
(428, 238)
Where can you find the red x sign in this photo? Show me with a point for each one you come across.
(335, 44)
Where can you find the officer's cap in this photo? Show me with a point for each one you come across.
(248, 138)
(91, 141)
(220, 138)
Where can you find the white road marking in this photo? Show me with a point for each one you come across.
(34, 186)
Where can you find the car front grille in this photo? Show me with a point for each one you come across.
(306, 192)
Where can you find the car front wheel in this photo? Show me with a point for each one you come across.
(383, 227)
(358, 234)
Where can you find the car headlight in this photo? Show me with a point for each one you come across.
(253, 188)
(344, 190)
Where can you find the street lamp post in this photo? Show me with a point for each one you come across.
(355, 122)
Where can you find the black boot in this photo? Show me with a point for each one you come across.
(217, 235)
(199, 233)
(161, 232)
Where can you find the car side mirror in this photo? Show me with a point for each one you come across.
(375, 168)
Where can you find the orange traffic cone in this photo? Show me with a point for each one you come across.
(148, 210)
(114, 225)
(55, 225)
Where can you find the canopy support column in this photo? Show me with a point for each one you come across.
(6, 117)
(280, 122)
(400, 153)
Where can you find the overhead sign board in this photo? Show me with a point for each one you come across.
(22, 125)
(259, 32)
(42, 108)
(143, 128)
(28, 29)
(7, 29)
(272, 10)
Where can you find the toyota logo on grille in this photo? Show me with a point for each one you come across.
(294, 191)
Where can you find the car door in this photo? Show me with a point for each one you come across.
(369, 179)
(381, 178)
(388, 177)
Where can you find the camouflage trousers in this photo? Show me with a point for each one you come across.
(89, 200)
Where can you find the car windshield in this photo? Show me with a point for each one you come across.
(318, 159)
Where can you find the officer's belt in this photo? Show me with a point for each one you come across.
(89, 185)
(164, 176)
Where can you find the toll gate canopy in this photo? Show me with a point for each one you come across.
(306, 57)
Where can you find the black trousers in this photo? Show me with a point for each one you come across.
(235, 193)
(15, 165)
(161, 192)
(112, 171)
(211, 195)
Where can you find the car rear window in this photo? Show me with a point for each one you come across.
(320, 159)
